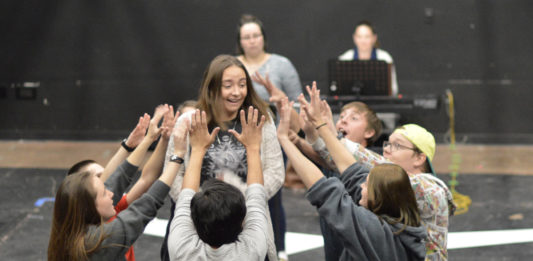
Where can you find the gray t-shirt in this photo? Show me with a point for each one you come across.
(184, 243)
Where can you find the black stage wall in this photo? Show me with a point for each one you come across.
(86, 69)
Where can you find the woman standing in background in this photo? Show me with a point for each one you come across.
(365, 39)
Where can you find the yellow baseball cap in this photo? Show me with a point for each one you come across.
(421, 138)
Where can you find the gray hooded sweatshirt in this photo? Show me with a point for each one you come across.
(365, 236)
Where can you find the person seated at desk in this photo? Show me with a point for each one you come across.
(366, 48)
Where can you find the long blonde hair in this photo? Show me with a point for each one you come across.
(209, 96)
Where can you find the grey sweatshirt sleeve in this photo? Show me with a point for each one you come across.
(183, 241)
(120, 180)
(359, 229)
(352, 178)
(129, 224)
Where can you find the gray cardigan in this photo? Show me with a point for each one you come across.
(364, 235)
(130, 223)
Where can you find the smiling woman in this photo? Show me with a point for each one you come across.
(226, 89)
(233, 91)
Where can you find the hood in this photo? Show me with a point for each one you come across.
(411, 238)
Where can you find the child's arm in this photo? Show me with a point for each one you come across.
(200, 140)
(123, 175)
(180, 147)
(342, 157)
(251, 139)
(133, 140)
(154, 166)
(276, 95)
(307, 171)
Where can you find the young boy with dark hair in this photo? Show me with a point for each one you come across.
(217, 223)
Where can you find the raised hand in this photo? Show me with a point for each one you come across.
(153, 130)
(275, 94)
(251, 129)
(169, 121)
(285, 121)
(180, 137)
(312, 109)
(199, 136)
(137, 134)
(327, 115)
(311, 134)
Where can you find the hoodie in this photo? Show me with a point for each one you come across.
(365, 236)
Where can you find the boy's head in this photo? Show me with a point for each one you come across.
(358, 123)
(412, 147)
(87, 165)
(218, 212)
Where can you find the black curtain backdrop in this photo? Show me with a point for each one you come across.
(100, 64)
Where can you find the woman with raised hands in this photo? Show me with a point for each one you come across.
(226, 89)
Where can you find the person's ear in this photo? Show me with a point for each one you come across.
(420, 159)
(369, 133)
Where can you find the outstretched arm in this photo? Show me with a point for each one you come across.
(180, 147)
(137, 156)
(307, 171)
(117, 182)
(342, 157)
(276, 95)
(306, 148)
(251, 139)
(133, 140)
(200, 140)
(154, 166)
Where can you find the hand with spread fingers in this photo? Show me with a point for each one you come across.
(153, 130)
(309, 129)
(312, 108)
(137, 134)
(169, 120)
(285, 121)
(252, 128)
(327, 115)
(275, 94)
(199, 136)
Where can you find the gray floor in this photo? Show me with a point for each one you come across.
(24, 228)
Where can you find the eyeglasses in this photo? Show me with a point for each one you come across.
(253, 36)
(396, 147)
